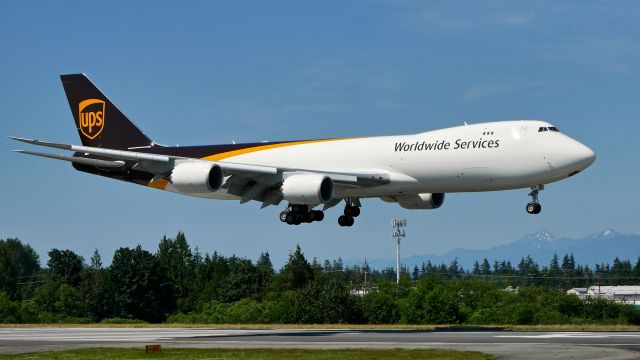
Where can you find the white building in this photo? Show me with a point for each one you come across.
(623, 294)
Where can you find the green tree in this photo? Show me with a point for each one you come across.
(97, 294)
(96, 290)
(178, 262)
(18, 264)
(485, 268)
(9, 310)
(96, 260)
(297, 272)
(58, 298)
(441, 306)
(325, 302)
(66, 264)
(380, 307)
(264, 268)
(241, 281)
(141, 289)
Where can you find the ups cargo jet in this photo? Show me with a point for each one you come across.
(414, 171)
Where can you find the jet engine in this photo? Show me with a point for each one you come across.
(307, 189)
(197, 177)
(421, 201)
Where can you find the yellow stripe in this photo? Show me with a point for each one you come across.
(228, 154)
(163, 183)
(159, 184)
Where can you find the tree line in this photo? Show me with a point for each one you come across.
(181, 285)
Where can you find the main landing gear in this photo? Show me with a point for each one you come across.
(534, 207)
(298, 214)
(350, 211)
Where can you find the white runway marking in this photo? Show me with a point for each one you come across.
(560, 335)
(119, 335)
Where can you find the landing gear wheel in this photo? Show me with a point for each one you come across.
(355, 211)
(296, 214)
(316, 215)
(350, 221)
(351, 210)
(290, 219)
(345, 220)
(306, 217)
(534, 208)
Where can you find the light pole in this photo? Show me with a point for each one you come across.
(398, 233)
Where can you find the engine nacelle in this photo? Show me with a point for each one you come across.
(421, 201)
(197, 177)
(308, 189)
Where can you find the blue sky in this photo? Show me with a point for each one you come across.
(213, 72)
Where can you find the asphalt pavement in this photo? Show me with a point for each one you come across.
(504, 344)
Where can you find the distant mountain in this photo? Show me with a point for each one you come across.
(590, 250)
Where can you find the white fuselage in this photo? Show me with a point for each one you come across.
(480, 157)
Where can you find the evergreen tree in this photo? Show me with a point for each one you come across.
(177, 261)
(265, 271)
(476, 268)
(96, 260)
(485, 268)
(415, 274)
(141, 289)
(297, 271)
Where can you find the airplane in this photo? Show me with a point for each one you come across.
(414, 171)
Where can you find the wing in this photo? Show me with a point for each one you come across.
(247, 181)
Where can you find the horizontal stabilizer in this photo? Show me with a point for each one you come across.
(77, 160)
(41, 143)
(117, 154)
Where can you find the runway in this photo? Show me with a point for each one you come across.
(504, 344)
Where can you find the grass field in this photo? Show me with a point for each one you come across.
(267, 354)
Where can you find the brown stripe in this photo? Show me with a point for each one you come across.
(228, 154)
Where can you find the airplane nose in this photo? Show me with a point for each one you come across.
(584, 155)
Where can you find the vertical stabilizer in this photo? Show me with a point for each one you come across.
(99, 122)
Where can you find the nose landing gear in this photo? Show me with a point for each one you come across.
(534, 206)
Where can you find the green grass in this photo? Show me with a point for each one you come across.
(277, 354)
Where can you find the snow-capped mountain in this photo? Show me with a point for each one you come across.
(541, 239)
(593, 249)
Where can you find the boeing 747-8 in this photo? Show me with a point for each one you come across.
(414, 171)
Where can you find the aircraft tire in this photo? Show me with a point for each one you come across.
(355, 211)
(350, 221)
(533, 208)
(538, 208)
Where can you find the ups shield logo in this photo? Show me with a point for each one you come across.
(91, 117)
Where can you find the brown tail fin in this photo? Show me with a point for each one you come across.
(99, 122)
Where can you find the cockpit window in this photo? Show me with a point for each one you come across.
(548, 128)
